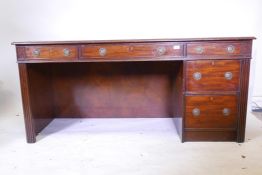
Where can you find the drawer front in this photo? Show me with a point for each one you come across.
(51, 52)
(212, 75)
(211, 111)
(136, 50)
(222, 49)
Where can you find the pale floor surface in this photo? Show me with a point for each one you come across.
(123, 147)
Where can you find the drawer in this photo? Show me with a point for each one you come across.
(219, 49)
(212, 75)
(136, 50)
(51, 52)
(211, 111)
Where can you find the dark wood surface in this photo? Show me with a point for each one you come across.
(219, 48)
(51, 52)
(212, 75)
(139, 78)
(37, 98)
(41, 95)
(178, 99)
(25, 91)
(243, 96)
(210, 136)
(141, 50)
(149, 50)
(211, 115)
(138, 40)
(135, 89)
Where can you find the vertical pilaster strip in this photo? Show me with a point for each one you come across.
(243, 95)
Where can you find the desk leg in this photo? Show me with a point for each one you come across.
(245, 66)
(29, 122)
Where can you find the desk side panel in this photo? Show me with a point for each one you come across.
(41, 93)
(178, 89)
(37, 97)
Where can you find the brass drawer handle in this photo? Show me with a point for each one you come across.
(161, 50)
(196, 112)
(102, 51)
(197, 75)
(228, 75)
(199, 49)
(226, 112)
(36, 52)
(66, 52)
(230, 49)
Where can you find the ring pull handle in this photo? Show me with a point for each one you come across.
(196, 112)
(199, 49)
(228, 75)
(161, 50)
(102, 51)
(66, 52)
(197, 75)
(230, 49)
(36, 52)
(226, 111)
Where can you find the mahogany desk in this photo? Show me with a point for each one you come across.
(201, 83)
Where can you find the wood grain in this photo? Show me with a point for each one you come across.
(230, 39)
(41, 93)
(210, 136)
(219, 48)
(37, 98)
(51, 52)
(244, 82)
(178, 99)
(25, 91)
(212, 75)
(136, 89)
(124, 51)
(134, 79)
(211, 111)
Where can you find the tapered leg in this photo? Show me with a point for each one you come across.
(29, 122)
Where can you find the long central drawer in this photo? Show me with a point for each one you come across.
(135, 50)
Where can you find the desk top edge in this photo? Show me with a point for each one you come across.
(133, 41)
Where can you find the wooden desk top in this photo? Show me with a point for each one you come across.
(134, 40)
(134, 50)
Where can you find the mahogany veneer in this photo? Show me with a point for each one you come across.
(201, 82)
(211, 111)
(212, 75)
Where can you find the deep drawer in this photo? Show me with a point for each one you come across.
(135, 50)
(211, 111)
(212, 75)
